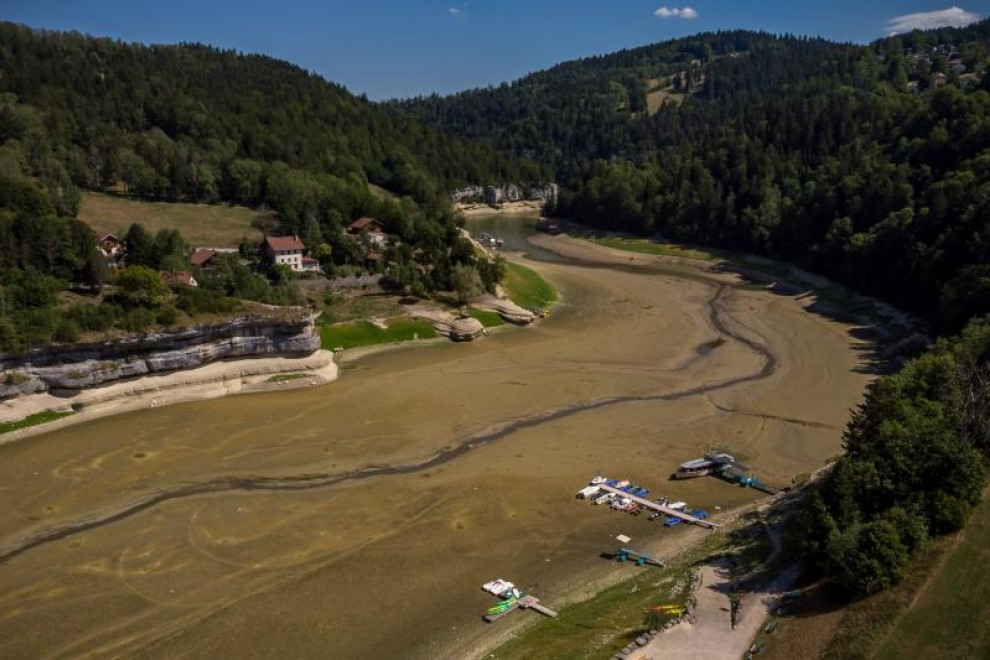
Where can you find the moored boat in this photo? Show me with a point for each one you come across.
(503, 606)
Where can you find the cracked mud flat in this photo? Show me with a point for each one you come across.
(363, 516)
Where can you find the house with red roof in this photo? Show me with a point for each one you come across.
(176, 278)
(202, 257)
(285, 250)
(371, 225)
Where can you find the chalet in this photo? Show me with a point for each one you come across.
(285, 250)
(176, 278)
(371, 225)
(309, 264)
(110, 245)
(202, 258)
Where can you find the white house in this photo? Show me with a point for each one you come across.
(285, 250)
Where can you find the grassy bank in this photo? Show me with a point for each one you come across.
(200, 224)
(648, 246)
(949, 617)
(939, 610)
(605, 623)
(32, 420)
(488, 319)
(364, 333)
(526, 288)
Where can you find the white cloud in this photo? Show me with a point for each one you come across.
(676, 12)
(453, 11)
(928, 20)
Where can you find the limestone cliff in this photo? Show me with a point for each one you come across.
(73, 367)
(508, 193)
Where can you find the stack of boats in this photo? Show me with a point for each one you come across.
(505, 590)
(598, 495)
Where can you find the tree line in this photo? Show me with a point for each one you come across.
(914, 468)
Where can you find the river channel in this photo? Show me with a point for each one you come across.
(361, 517)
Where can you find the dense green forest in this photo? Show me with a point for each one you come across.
(576, 111)
(914, 468)
(853, 161)
(194, 123)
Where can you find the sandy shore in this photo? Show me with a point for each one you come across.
(392, 564)
(202, 383)
(508, 208)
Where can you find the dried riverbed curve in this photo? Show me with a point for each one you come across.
(718, 315)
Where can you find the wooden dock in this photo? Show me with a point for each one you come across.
(533, 603)
(526, 603)
(686, 517)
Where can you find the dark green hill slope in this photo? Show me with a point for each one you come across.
(866, 163)
(197, 123)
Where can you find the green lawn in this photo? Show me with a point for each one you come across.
(200, 224)
(950, 617)
(364, 333)
(526, 288)
(488, 319)
(32, 420)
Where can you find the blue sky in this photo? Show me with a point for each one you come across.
(389, 48)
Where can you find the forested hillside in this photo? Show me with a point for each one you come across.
(867, 163)
(194, 123)
(575, 111)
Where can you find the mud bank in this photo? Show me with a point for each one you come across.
(431, 472)
(202, 383)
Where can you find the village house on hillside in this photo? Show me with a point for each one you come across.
(285, 250)
(111, 246)
(179, 278)
(371, 225)
(202, 258)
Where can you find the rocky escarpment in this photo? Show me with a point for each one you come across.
(508, 310)
(508, 193)
(74, 367)
(455, 328)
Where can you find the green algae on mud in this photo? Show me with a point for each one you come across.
(365, 333)
(42, 417)
(527, 288)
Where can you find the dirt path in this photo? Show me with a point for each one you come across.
(712, 635)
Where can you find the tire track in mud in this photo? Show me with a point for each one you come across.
(718, 314)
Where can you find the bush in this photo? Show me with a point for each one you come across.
(138, 319)
(92, 317)
(67, 331)
(168, 316)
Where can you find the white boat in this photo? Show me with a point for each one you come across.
(677, 506)
(497, 587)
(598, 480)
(699, 467)
(621, 503)
(602, 499)
(588, 492)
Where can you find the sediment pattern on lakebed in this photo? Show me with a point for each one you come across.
(368, 512)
